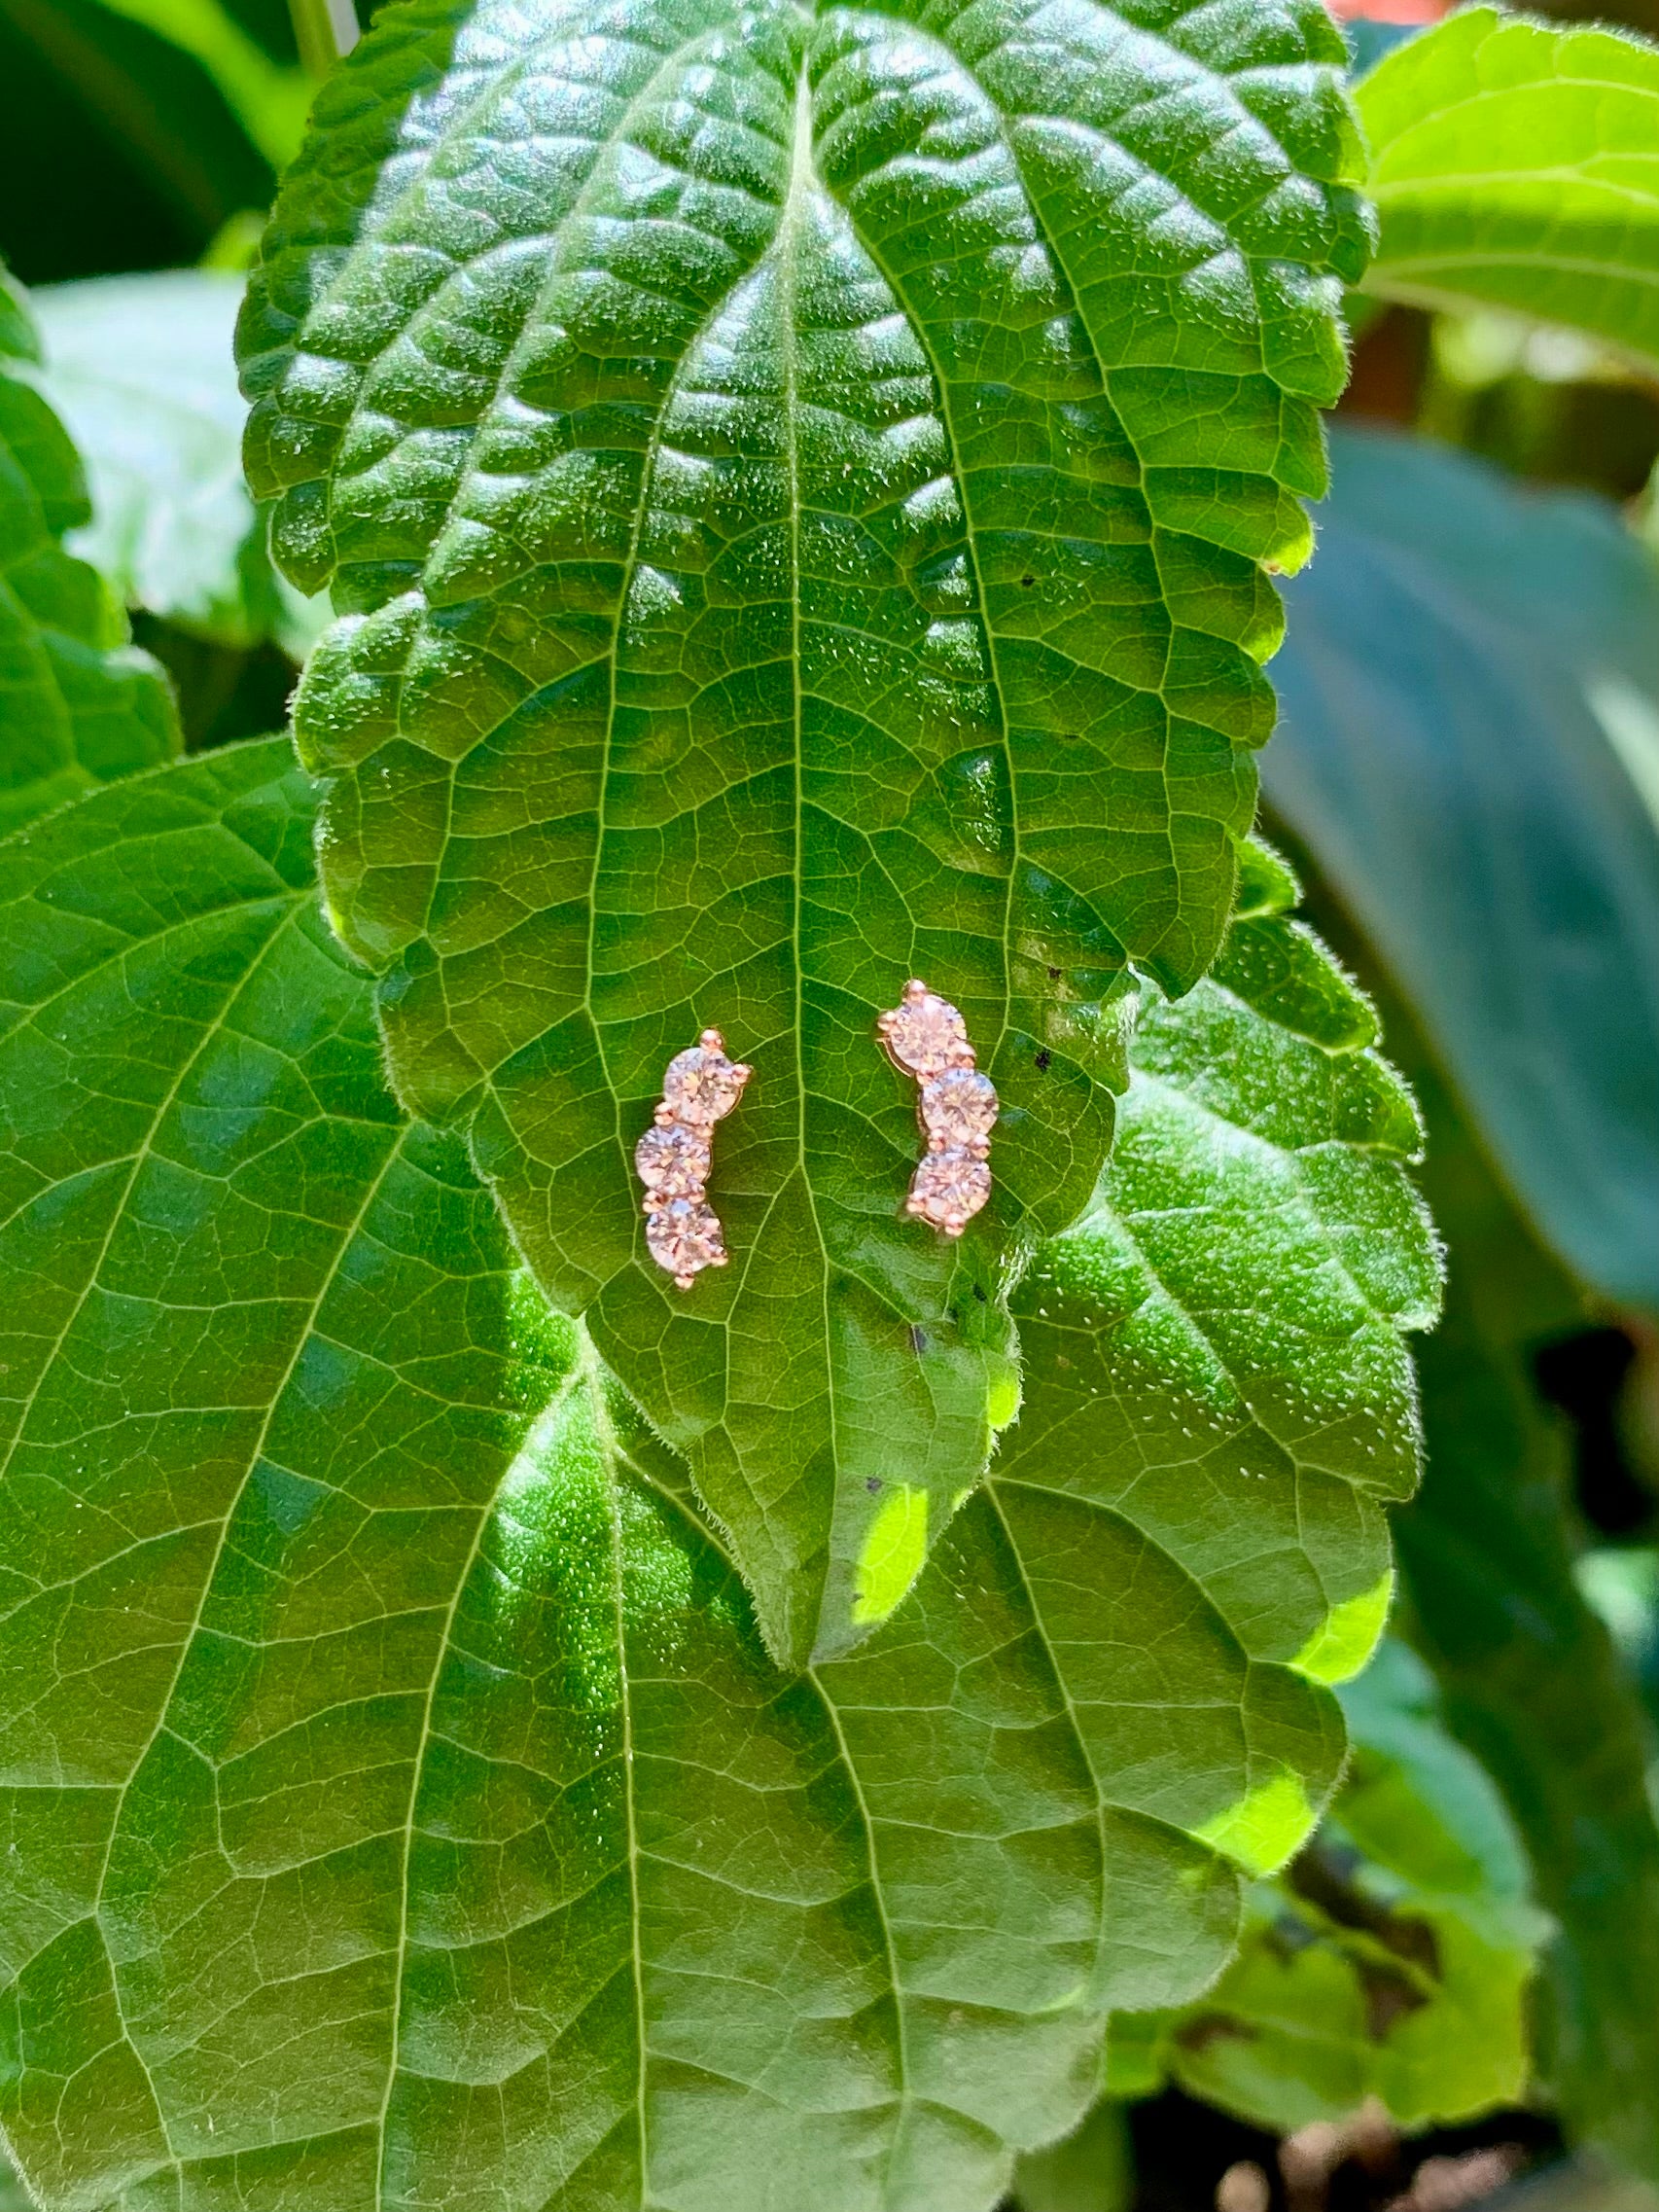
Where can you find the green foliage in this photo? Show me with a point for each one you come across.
(1240, 1440)
(1529, 1677)
(268, 100)
(1391, 1960)
(1090, 2171)
(78, 704)
(399, 1804)
(798, 493)
(140, 369)
(1513, 164)
(1471, 748)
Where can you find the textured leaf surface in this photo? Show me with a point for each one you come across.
(1391, 1959)
(1215, 1353)
(797, 491)
(142, 373)
(78, 704)
(1517, 163)
(1471, 750)
(401, 1807)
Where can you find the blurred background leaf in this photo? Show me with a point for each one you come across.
(79, 705)
(1529, 1676)
(1470, 748)
(140, 369)
(135, 130)
(267, 99)
(1516, 163)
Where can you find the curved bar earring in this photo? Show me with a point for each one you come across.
(674, 1159)
(957, 1107)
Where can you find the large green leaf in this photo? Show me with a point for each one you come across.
(1217, 1395)
(140, 369)
(1472, 700)
(798, 492)
(78, 704)
(1516, 163)
(401, 1806)
(1391, 1961)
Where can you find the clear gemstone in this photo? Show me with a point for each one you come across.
(685, 1236)
(673, 1161)
(701, 1086)
(950, 1188)
(926, 1034)
(959, 1106)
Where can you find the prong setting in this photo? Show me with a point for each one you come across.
(675, 1158)
(957, 1107)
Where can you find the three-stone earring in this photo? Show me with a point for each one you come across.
(674, 1159)
(926, 1037)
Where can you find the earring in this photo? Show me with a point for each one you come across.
(926, 1037)
(682, 1230)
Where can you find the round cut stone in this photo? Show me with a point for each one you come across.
(959, 1107)
(673, 1161)
(701, 1085)
(685, 1237)
(950, 1188)
(926, 1034)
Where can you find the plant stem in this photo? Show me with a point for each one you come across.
(325, 30)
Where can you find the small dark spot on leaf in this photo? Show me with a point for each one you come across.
(872, 1484)
(1389, 1997)
(1323, 1873)
(1053, 974)
(1026, 582)
(1043, 1060)
(1214, 2027)
(981, 1295)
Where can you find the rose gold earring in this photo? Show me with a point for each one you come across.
(682, 1230)
(926, 1037)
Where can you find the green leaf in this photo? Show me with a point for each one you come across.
(1218, 1394)
(798, 492)
(79, 705)
(1472, 721)
(1530, 1679)
(141, 370)
(1393, 1958)
(400, 1804)
(268, 100)
(1090, 2171)
(1514, 162)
